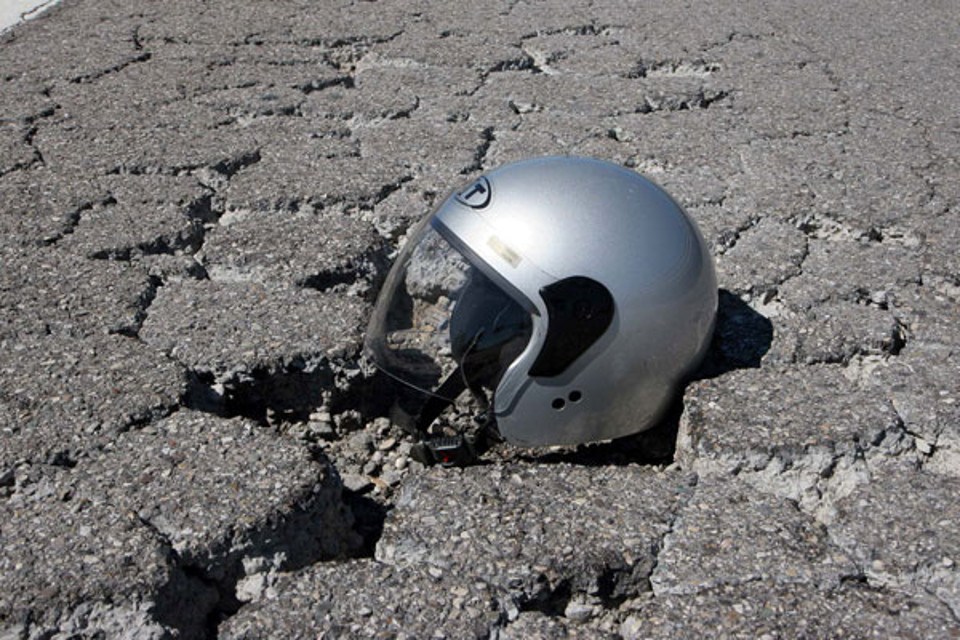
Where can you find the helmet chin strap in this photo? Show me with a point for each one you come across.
(443, 397)
(462, 449)
(447, 451)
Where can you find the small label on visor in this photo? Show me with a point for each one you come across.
(505, 252)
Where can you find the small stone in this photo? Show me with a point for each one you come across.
(387, 444)
(362, 441)
(513, 612)
(381, 425)
(880, 298)
(298, 430)
(631, 627)
(322, 429)
(391, 476)
(416, 466)
(401, 463)
(356, 483)
(523, 107)
(321, 416)
(618, 134)
(578, 611)
(251, 588)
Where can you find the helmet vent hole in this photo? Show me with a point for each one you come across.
(558, 403)
(575, 396)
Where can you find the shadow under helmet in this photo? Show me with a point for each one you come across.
(568, 296)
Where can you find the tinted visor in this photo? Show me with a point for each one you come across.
(442, 326)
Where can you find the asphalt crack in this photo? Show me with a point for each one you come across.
(664, 541)
(93, 76)
(480, 155)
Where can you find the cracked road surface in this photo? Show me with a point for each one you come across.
(198, 202)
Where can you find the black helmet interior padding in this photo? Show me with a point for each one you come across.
(488, 330)
(579, 310)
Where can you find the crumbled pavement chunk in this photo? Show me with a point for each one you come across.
(782, 412)
(71, 567)
(223, 491)
(763, 258)
(399, 211)
(838, 331)
(192, 141)
(542, 532)
(923, 389)
(181, 497)
(319, 250)
(40, 206)
(310, 164)
(790, 430)
(50, 291)
(851, 271)
(223, 327)
(730, 533)
(920, 551)
(427, 146)
(142, 215)
(365, 598)
(763, 610)
(63, 395)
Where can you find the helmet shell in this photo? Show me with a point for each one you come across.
(531, 224)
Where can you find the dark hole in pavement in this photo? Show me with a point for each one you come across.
(290, 393)
(63, 458)
(328, 280)
(550, 602)
(369, 516)
(621, 582)
(201, 395)
(226, 604)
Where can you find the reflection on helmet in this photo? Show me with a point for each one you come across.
(488, 330)
(563, 306)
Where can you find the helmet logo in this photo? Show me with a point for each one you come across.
(476, 195)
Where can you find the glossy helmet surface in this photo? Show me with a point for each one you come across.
(575, 290)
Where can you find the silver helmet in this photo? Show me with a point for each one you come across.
(569, 296)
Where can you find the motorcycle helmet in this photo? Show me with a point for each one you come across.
(568, 296)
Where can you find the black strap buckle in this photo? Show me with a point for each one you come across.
(447, 451)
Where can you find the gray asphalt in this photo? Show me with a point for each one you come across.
(198, 202)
